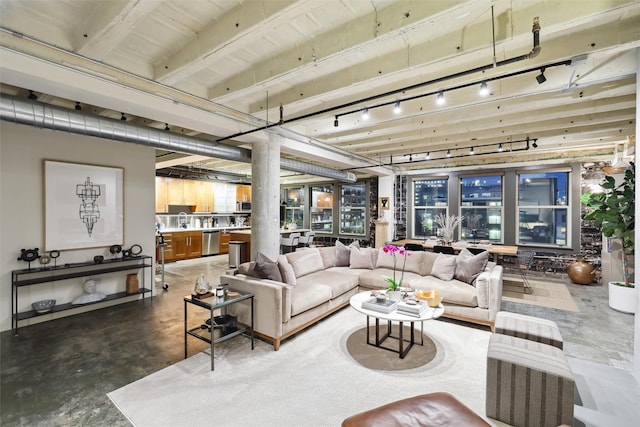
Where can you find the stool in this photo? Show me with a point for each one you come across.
(529, 328)
(426, 410)
(528, 383)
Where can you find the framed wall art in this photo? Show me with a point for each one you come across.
(383, 203)
(83, 205)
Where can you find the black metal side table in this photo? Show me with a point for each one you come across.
(214, 333)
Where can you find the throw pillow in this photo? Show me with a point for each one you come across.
(361, 258)
(470, 266)
(343, 253)
(328, 255)
(286, 271)
(444, 267)
(266, 268)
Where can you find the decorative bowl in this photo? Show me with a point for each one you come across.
(43, 306)
(431, 297)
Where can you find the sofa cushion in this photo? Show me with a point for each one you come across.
(305, 296)
(337, 281)
(413, 260)
(305, 262)
(361, 258)
(428, 259)
(482, 288)
(469, 266)
(374, 279)
(452, 292)
(444, 267)
(286, 271)
(328, 255)
(265, 268)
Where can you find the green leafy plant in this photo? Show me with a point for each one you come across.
(614, 214)
(393, 251)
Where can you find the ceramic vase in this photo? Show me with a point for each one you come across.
(581, 272)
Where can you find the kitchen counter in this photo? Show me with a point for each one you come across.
(178, 229)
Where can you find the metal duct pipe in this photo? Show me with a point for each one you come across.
(45, 116)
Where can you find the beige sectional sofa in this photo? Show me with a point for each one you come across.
(302, 287)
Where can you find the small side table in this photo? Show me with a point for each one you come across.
(213, 303)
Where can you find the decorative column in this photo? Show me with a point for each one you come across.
(265, 197)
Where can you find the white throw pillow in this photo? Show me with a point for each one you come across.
(444, 267)
(361, 258)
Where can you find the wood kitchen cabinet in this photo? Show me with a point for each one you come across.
(225, 236)
(182, 245)
(161, 195)
(243, 193)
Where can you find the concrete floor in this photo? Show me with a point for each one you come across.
(57, 373)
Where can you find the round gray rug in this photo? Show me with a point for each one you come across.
(373, 357)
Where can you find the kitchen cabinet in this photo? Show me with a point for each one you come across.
(168, 249)
(225, 236)
(243, 193)
(161, 195)
(182, 245)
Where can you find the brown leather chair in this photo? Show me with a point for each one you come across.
(427, 410)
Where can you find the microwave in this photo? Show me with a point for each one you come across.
(243, 206)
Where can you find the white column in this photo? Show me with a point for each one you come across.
(636, 341)
(265, 197)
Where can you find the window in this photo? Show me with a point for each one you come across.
(353, 204)
(543, 200)
(481, 206)
(430, 198)
(322, 209)
(292, 209)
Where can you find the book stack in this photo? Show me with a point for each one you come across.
(415, 309)
(382, 306)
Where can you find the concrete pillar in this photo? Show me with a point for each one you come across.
(636, 341)
(265, 197)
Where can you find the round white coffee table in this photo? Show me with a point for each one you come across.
(393, 316)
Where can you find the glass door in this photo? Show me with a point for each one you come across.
(353, 202)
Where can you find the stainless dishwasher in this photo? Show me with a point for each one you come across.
(210, 242)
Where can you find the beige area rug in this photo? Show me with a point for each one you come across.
(545, 293)
(313, 380)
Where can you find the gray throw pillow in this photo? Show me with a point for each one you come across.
(361, 258)
(469, 266)
(444, 267)
(286, 270)
(343, 253)
(266, 268)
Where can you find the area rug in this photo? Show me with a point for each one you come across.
(311, 381)
(545, 293)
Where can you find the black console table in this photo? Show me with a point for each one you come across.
(35, 276)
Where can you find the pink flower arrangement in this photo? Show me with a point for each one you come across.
(395, 250)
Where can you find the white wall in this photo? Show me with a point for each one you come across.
(385, 189)
(22, 150)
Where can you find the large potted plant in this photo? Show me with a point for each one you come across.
(614, 214)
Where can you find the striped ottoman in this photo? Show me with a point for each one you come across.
(528, 327)
(528, 383)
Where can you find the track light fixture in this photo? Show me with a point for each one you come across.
(166, 127)
(440, 98)
(396, 108)
(78, 106)
(32, 95)
(483, 149)
(123, 117)
(365, 114)
(484, 89)
(540, 77)
(335, 122)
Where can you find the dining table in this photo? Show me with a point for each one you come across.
(494, 249)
